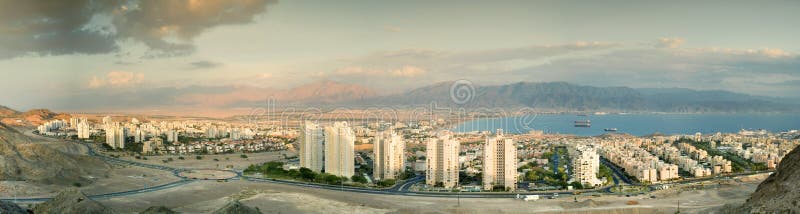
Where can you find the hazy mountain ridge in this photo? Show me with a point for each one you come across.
(544, 96)
(564, 96)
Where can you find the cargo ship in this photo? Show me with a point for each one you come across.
(583, 123)
(610, 129)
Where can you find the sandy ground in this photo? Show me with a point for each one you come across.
(127, 178)
(120, 178)
(206, 196)
(208, 162)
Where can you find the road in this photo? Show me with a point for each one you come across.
(617, 172)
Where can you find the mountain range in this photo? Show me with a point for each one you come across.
(544, 96)
(562, 96)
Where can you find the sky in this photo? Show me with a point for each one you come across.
(75, 54)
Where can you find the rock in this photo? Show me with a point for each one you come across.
(158, 210)
(72, 200)
(779, 192)
(236, 207)
(11, 208)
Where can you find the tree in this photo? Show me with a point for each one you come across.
(198, 157)
(576, 185)
(332, 179)
(306, 174)
(359, 179)
(531, 176)
(243, 156)
(386, 182)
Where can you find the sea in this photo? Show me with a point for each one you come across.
(634, 124)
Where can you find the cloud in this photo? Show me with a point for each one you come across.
(408, 72)
(669, 42)
(42, 28)
(590, 63)
(204, 64)
(116, 79)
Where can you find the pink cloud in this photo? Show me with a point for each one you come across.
(116, 79)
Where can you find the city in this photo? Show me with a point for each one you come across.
(268, 106)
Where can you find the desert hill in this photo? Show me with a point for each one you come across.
(32, 117)
(71, 201)
(5, 111)
(779, 193)
(22, 159)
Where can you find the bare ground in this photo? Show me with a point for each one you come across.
(205, 196)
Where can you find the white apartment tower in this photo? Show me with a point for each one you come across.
(115, 135)
(83, 129)
(339, 150)
(442, 161)
(172, 136)
(585, 165)
(389, 158)
(311, 146)
(499, 162)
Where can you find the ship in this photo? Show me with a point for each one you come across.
(610, 129)
(583, 123)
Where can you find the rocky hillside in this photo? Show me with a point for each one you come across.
(780, 192)
(22, 159)
(158, 210)
(72, 201)
(11, 208)
(236, 207)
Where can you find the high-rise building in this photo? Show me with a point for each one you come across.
(389, 156)
(83, 130)
(115, 135)
(339, 150)
(311, 146)
(73, 122)
(442, 161)
(172, 136)
(138, 135)
(499, 162)
(585, 165)
(212, 132)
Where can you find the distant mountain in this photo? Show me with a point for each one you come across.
(544, 96)
(563, 96)
(31, 117)
(7, 112)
